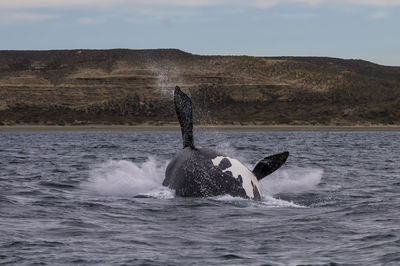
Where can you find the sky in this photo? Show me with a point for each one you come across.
(354, 29)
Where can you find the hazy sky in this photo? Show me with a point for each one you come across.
(362, 29)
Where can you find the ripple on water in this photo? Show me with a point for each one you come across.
(95, 198)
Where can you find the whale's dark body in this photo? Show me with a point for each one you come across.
(198, 172)
(192, 174)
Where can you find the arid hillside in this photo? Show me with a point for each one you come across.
(135, 86)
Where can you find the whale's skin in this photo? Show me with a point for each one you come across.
(201, 172)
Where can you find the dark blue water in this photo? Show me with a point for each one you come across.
(95, 198)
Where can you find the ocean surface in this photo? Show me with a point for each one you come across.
(96, 198)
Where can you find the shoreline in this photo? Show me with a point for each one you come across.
(226, 128)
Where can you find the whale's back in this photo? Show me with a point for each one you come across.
(192, 173)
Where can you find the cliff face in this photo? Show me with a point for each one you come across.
(135, 86)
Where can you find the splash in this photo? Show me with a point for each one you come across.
(125, 178)
(226, 147)
(293, 180)
(167, 77)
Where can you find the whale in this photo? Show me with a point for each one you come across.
(204, 172)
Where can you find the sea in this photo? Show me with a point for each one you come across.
(95, 198)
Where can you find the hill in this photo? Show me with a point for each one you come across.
(135, 86)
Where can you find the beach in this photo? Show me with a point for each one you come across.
(175, 127)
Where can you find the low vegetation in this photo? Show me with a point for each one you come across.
(135, 86)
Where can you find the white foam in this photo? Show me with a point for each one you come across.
(292, 180)
(270, 201)
(267, 201)
(160, 193)
(126, 178)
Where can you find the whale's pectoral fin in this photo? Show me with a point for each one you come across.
(183, 108)
(269, 164)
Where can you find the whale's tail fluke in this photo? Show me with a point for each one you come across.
(270, 164)
(183, 108)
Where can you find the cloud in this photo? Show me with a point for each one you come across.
(15, 4)
(295, 15)
(16, 11)
(262, 3)
(379, 15)
(21, 17)
(88, 20)
(187, 3)
(160, 14)
(25, 4)
(381, 3)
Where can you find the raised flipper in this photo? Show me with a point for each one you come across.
(269, 164)
(183, 108)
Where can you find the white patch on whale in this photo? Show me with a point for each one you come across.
(237, 168)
